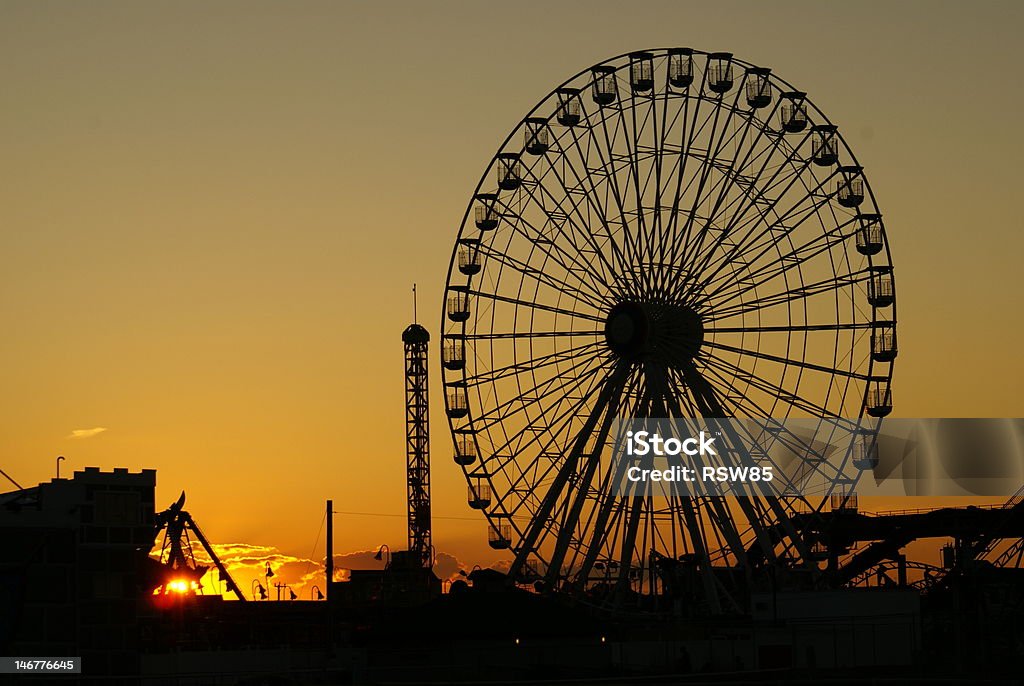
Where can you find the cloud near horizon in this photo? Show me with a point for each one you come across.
(248, 564)
(86, 433)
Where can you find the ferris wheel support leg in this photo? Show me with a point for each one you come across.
(628, 542)
(707, 400)
(711, 408)
(568, 527)
(653, 406)
(547, 505)
(689, 507)
(600, 530)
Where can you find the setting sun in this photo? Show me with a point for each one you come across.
(178, 586)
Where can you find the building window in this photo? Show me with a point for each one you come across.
(117, 508)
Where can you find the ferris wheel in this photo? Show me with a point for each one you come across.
(669, 233)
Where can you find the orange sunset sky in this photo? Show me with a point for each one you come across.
(213, 214)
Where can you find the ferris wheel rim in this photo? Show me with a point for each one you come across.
(503, 149)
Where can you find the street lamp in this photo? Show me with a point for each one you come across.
(257, 588)
(468, 575)
(379, 555)
(315, 593)
(268, 574)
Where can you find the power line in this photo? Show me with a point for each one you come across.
(316, 542)
(389, 514)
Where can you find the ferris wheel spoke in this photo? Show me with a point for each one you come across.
(644, 229)
(727, 377)
(749, 506)
(771, 228)
(727, 534)
(527, 335)
(508, 455)
(535, 394)
(787, 169)
(754, 198)
(630, 133)
(614, 506)
(590, 297)
(590, 196)
(781, 432)
(529, 366)
(534, 235)
(531, 305)
(714, 148)
(685, 142)
(689, 136)
(820, 244)
(770, 238)
(610, 171)
(583, 485)
(589, 381)
(726, 394)
(804, 292)
(565, 214)
(724, 370)
(627, 551)
(723, 184)
(746, 178)
(794, 328)
(611, 389)
(509, 441)
(659, 140)
(784, 361)
(605, 486)
(681, 395)
(631, 523)
(606, 265)
(719, 311)
(729, 172)
(730, 178)
(567, 529)
(700, 179)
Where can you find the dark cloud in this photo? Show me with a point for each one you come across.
(446, 566)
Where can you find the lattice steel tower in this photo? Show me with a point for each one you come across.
(417, 442)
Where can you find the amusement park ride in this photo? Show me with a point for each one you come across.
(677, 234)
(181, 574)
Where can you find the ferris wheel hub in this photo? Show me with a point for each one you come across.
(668, 333)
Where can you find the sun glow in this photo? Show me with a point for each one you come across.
(178, 586)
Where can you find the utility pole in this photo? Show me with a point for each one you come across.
(329, 566)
